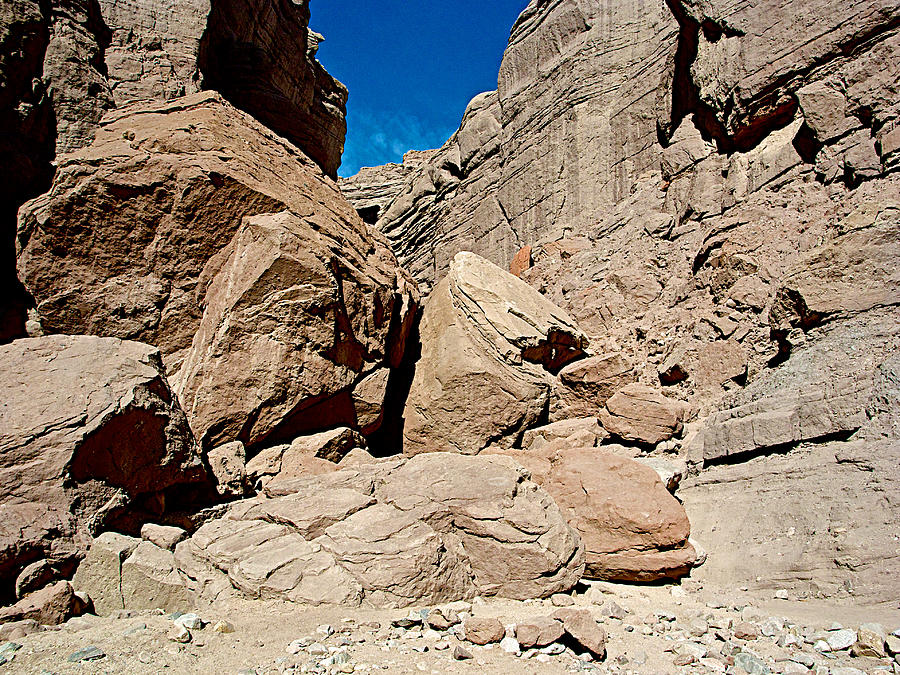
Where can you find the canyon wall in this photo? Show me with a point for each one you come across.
(711, 190)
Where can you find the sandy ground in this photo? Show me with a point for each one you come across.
(263, 631)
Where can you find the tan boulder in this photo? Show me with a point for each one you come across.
(163, 536)
(35, 576)
(487, 341)
(642, 415)
(515, 540)
(584, 629)
(402, 531)
(308, 513)
(313, 454)
(266, 560)
(228, 465)
(482, 631)
(398, 559)
(538, 632)
(72, 457)
(579, 431)
(99, 574)
(151, 580)
(271, 293)
(582, 388)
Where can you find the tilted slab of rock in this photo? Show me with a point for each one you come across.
(419, 530)
(141, 221)
(633, 529)
(88, 426)
(487, 341)
(295, 319)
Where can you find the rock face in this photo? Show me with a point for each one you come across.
(549, 150)
(113, 443)
(411, 531)
(373, 188)
(52, 94)
(488, 340)
(63, 63)
(228, 249)
(711, 191)
(633, 529)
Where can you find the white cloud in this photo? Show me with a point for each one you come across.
(375, 138)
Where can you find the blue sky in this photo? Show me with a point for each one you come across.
(411, 67)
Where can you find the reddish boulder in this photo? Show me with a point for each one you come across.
(632, 527)
(49, 606)
(582, 388)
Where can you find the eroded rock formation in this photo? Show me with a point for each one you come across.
(428, 529)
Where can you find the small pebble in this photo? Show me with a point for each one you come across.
(180, 634)
(190, 621)
(460, 653)
(90, 653)
(223, 627)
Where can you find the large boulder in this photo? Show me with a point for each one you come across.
(489, 345)
(293, 322)
(421, 530)
(272, 319)
(632, 527)
(90, 434)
